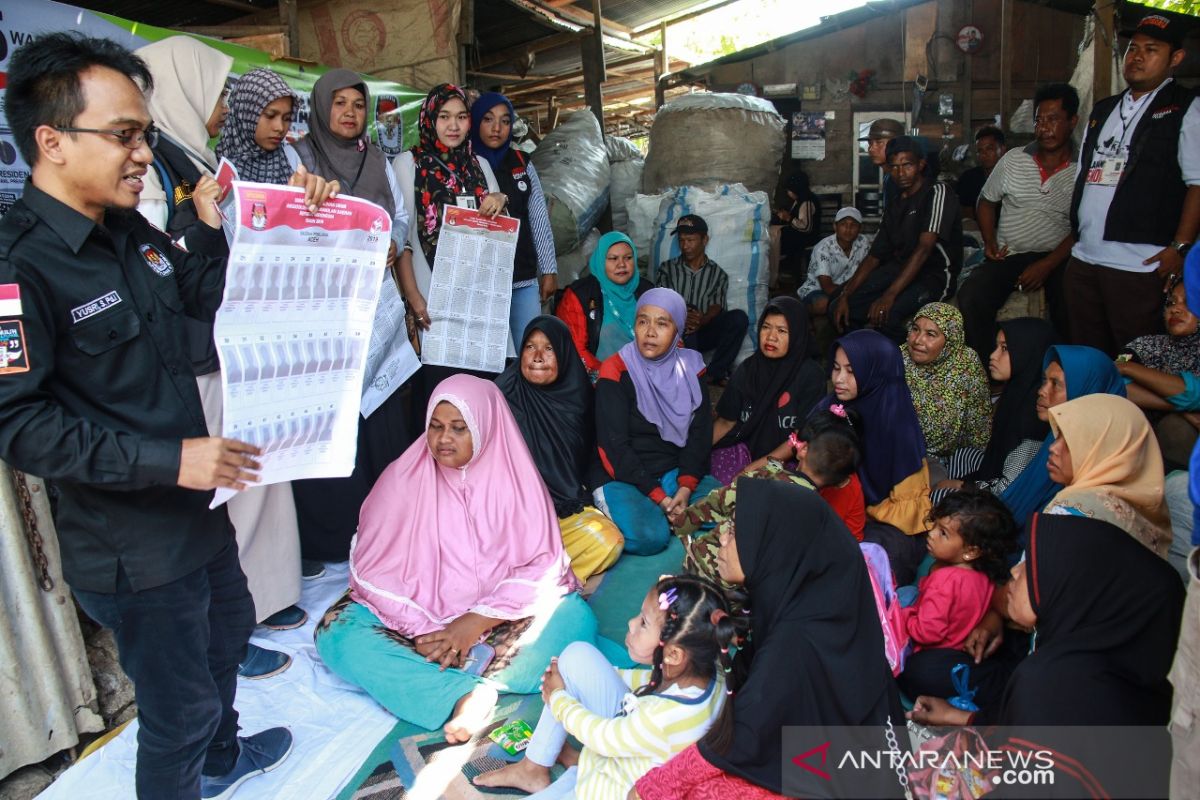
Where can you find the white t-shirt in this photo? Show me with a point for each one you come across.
(829, 259)
(1113, 142)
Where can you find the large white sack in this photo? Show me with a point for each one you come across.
(709, 140)
(572, 164)
(626, 183)
(572, 265)
(738, 223)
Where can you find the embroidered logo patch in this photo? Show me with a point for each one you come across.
(93, 307)
(13, 357)
(155, 260)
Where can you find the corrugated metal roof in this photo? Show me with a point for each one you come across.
(174, 13)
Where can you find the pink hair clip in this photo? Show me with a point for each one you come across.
(838, 410)
(665, 599)
(794, 440)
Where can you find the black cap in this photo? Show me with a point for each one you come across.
(1168, 28)
(691, 223)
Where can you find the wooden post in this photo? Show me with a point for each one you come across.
(291, 26)
(968, 124)
(1102, 51)
(592, 51)
(661, 64)
(1006, 61)
(551, 114)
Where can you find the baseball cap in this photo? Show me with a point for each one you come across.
(883, 128)
(1170, 29)
(691, 223)
(848, 212)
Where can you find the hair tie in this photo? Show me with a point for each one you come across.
(665, 599)
(661, 643)
(724, 651)
(729, 669)
(717, 615)
(729, 692)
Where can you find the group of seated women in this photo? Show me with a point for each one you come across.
(850, 520)
(828, 563)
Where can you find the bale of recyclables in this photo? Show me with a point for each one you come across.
(572, 164)
(626, 162)
(739, 240)
(707, 140)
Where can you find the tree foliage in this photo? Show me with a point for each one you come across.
(1191, 7)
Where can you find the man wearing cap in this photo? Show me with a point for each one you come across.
(834, 260)
(704, 286)
(1136, 206)
(1028, 243)
(916, 256)
(882, 131)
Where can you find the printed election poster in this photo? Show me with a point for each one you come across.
(470, 291)
(294, 328)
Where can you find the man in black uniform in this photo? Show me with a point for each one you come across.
(103, 402)
(916, 256)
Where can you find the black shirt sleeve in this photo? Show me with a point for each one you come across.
(694, 457)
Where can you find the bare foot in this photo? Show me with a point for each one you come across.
(568, 756)
(525, 775)
(472, 713)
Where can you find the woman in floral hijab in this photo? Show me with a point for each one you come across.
(948, 385)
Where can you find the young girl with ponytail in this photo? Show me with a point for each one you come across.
(631, 720)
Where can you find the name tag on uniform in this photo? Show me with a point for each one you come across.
(466, 201)
(1106, 172)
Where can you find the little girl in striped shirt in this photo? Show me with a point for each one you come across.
(631, 720)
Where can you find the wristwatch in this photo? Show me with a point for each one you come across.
(1180, 247)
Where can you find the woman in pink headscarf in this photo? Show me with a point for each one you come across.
(459, 585)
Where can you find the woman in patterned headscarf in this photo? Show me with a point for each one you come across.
(441, 170)
(949, 389)
(260, 113)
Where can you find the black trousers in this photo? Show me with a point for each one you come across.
(986, 290)
(181, 644)
(723, 335)
(924, 289)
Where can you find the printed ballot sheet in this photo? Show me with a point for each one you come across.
(471, 290)
(301, 291)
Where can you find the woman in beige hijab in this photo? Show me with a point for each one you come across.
(188, 107)
(1106, 457)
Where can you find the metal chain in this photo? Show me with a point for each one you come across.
(898, 760)
(32, 534)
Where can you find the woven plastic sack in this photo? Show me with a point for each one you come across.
(572, 164)
(708, 140)
(739, 242)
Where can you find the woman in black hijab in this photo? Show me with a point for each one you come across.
(1017, 432)
(770, 391)
(1106, 613)
(551, 397)
(814, 656)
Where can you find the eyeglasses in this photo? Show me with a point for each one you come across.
(130, 138)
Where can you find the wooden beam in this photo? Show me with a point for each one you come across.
(240, 5)
(1103, 38)
(291, 24)
(1006, 61)
(495, 76)
(649, 27)
(569, 77)
(232, 31)
(598, 27)
(592, 54)
(536, 46)
(660, 66)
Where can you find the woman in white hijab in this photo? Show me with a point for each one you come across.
(188, 108)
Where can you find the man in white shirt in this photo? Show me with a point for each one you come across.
(834, 260)
(1136, 207)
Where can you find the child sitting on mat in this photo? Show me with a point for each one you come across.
(972, 533)
(631, 720)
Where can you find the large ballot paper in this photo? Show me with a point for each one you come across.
(301, 292)
(471, 291)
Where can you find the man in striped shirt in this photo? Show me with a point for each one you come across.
(704, 287)
(916, 255)
(1032, 186)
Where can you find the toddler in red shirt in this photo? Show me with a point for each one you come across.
(972, 532)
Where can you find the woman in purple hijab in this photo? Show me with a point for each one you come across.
(653, 426)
